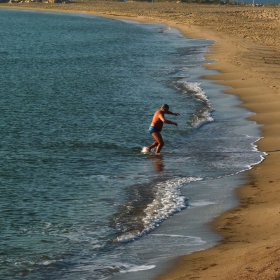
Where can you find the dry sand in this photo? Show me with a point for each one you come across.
(248, 54)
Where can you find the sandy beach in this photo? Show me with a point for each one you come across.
(247, 51)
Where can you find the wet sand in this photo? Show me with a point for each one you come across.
(248, 55)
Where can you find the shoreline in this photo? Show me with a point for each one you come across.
(249, 249)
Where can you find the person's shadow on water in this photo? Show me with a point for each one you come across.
(158, 163)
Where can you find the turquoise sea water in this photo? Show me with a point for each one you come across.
(78, 199)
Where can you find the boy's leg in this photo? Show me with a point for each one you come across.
(152, 146)
(159, 141)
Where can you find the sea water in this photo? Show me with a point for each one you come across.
(78, 198)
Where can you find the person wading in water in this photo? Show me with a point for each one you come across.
(156, 127)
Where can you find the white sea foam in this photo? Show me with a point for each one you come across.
(200, 203)
(203, 115)
(48, 262)
(145, 150)
(201, 118)
(168, 201)
(133, 268)
(192, 88)
(191, 240)
(115, 266)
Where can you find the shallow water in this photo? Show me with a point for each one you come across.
(78, 199)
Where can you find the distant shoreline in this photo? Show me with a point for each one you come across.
(248, 55)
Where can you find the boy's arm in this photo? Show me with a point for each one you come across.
(164, 120)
